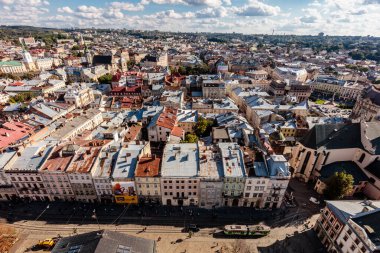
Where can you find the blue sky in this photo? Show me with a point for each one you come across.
(334, 17)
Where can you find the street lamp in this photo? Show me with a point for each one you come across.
(47, 207)
(94, 216)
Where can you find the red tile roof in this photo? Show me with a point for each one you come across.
(177, 131)
(148, 167)
(11, 132)
(167, 118)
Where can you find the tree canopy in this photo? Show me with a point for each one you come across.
(107, 78)
(190, 138)
(22, 97)
(203, 127)
(338, 185)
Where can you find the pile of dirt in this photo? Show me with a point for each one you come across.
(7, 238)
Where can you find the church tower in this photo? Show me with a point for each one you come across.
(28, 61)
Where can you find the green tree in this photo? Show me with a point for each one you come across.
(338, 185)
(203, 127)
(107, 78)
(75, 47)
(22, 97)
(190, 138)
(130, 64)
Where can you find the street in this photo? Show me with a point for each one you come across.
(37, 220)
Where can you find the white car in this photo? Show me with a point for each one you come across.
(314, 200)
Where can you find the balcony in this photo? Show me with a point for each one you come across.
(180, 197)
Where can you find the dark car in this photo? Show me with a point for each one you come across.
(191, 227)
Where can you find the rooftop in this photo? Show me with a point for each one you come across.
(180, 160)
(126, 161)
(371, 225)
(148, 166)
(210, 163)
(344, 209)
(32, 157)
(104, 241)
(232, 158)
(59, 159)
(83, 160)
(348, 167)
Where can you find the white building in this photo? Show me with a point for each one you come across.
(179, 175)
(44, 63)
(211, 177)
(79, 172)
(54, 175)
(24, 173)
(291, 74)
(234, 173)
(101, 172)
(123, 174)
(12, 67)
(7, 190)
(79, 95)
(147, 177)
(349, 226)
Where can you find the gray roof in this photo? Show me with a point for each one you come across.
(104, 241)
(126, 161)
(333, 136)
(373, 168)
(374, 94)
(232, 157)
(32, 158)
(180, 160)
(348, 167)
(370, 223)
(372, 133)
(344, 209)
(278, 167)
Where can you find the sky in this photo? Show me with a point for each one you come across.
(300, 17)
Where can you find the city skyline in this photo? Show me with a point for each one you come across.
(301, 17)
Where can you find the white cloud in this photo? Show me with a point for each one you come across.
(257, 8)
(127, 6)
(65, 9)
(213, 3)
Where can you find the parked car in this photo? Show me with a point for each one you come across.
(190, 227)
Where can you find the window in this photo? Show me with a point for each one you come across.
(361, 159)
(249, 188)
(349, 232)
(247, 195)
(357, 241)
(345, 238)
(353, 247)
